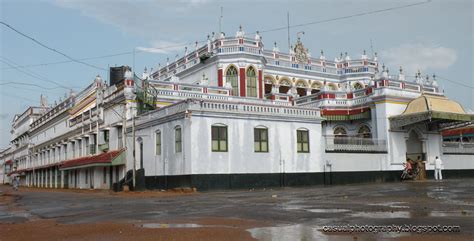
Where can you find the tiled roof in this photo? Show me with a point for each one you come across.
(106, 158)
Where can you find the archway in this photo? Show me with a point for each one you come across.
(414, 147)
(285, 86)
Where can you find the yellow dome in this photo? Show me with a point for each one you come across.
(426, 103)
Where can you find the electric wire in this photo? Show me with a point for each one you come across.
(50, 48)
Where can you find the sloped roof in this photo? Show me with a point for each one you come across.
(102, 158)
(433, 103)
(432, 109)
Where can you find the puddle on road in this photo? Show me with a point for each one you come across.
(391, 204)
(172, 225)
(302, 232)
(328, 210)
(449, 214)
(396, 214)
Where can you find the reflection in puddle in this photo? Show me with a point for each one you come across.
(328, 210)
(448, 214)
(171, 225)
(397, 214)
(391, 204)
(289, 233)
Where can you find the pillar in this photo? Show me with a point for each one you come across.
(55, 178)
(242, 82)
(62, 179)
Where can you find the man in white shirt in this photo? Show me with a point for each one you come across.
(438, 166)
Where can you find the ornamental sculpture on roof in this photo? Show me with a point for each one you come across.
(301, 53)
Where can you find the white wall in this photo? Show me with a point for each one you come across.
(456, 162)
(198, 158)
(352, 162)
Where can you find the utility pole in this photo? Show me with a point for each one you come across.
(288, 25)
(133, 150)
(220, 21)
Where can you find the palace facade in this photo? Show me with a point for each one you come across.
(231, 114)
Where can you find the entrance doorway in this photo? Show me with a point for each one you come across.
(415, 152)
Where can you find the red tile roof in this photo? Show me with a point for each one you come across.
(105, 158)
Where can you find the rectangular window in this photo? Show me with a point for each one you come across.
(302, 140)
(261, 140)
(158, 143)
(177, 139)
(106, 136)
(119, 137)
(219, 138)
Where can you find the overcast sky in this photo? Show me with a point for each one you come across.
(435, 37)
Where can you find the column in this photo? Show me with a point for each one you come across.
(55, 177)
(62, 179)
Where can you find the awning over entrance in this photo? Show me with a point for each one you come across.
(111, 158)
(438, 112)
(346, 115)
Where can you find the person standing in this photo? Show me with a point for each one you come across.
(438, 166)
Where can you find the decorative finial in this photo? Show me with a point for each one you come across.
(322, 52)
(364, 51)
(240, 27)
(401, 70)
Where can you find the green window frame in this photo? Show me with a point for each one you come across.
(178, 140)
(260, 139)
(158, 143)
(219, 139)
(232, 77)
(302, 141)
(251, 82)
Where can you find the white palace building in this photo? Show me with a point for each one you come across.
(231, 114)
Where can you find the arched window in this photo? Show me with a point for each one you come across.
(251, 82)
(358, 86)
(364, 132)
(339, 135)
(340, 131)
(232, 77)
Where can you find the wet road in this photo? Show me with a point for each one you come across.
(282, 214)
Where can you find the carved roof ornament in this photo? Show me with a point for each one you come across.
(301, 53)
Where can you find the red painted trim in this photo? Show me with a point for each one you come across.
(242, 82)
(205, 89)
(260, 84)
(350, 95)
(345, 112)
(220, 80)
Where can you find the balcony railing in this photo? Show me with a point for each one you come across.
(355, 144)
(458, 148)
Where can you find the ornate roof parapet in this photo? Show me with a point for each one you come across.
(240, 33)
(275, 48)
(418, 78)
(347, 57)
(209, 44)
(401, 75)
(322, 57)
(384, 71)
(434, 82)
(364, 55)
(258, 37)
(145, 74)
